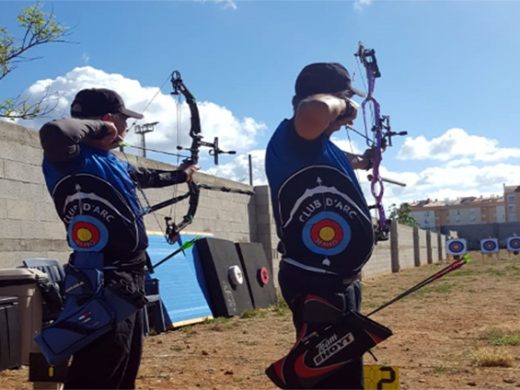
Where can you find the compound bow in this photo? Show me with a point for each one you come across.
(382, 137)
(174, 228)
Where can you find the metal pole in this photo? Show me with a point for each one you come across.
(142, 130)
(250, 170)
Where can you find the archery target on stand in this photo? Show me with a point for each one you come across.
(489, 245)
(227, 287)
(258, 273)
(513, 244)
(456, 247)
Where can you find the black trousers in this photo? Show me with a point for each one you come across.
(111, 361)
(295, 283)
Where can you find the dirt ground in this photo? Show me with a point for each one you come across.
(460, 332)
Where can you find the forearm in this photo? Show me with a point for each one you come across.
(316, 113)
(60, 139)
(155, 178)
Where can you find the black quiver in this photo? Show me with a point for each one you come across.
(328, 339)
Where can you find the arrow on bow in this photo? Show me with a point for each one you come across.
(381, 138)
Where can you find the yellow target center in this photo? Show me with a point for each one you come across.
(84, 234)
(327, 234)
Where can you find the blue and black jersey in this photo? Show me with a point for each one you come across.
(321, 214)
(84, 180)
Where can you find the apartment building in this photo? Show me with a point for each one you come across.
(469, 210)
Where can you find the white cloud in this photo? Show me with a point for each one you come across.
(85, 58)
(361, 4)
(227, 4)
(234, 133)
(456, 143)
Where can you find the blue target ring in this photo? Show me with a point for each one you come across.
(326, 233)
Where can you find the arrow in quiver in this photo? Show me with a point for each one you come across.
(328, 340)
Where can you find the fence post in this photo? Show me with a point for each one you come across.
(429, 254)
(394, 247)
(416, 247)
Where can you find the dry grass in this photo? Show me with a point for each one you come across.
(492, 357)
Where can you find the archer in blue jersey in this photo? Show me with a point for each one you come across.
(322, 218)
(95, 196)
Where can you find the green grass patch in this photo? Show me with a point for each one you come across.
(280, 308)
(256, 313)
(501, 337)
(441, 288)
(440, 370)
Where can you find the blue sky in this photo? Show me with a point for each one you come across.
(449, 77)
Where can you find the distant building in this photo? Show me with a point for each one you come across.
(471, 210)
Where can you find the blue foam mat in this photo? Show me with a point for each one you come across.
(181, 282)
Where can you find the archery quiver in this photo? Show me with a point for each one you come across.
(92, 307)
(329, 339)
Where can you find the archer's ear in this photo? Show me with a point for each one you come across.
(108, 117)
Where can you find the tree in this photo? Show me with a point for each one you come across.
(402, 214)
(38, 28)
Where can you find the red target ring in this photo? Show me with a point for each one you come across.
(85, 235)
(327, 234)
(263, 276)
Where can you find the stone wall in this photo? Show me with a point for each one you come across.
(29, 226)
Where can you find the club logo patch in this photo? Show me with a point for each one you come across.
(87, 234)
(326, 233)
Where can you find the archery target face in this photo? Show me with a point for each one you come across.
(326, 233)
(489, 245)
(513, 244)
(86, 233)
(456, 246)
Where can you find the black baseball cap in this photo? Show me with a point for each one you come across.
(95, 102)
(325, 77)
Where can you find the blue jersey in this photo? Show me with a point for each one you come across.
(96, 184)
(321, 215)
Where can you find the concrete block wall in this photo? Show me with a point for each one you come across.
(380, 262)
(266, 228)
(405, 246)
(29, 226)
(423, 248)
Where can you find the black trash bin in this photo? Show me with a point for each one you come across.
(10, 348)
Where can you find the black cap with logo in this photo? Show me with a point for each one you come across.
(325, 77)
(96, 102)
